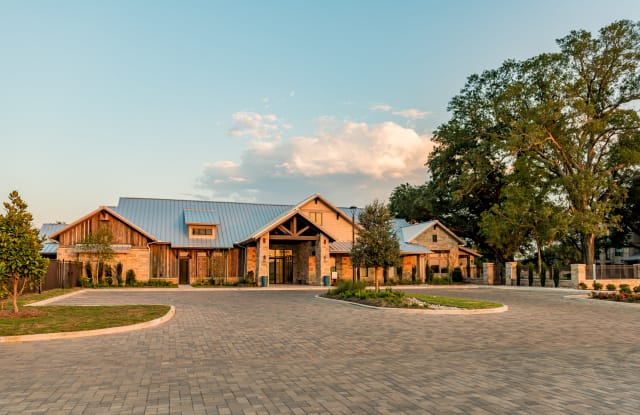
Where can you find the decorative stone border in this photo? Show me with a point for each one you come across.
(90, 333)
(421, 310)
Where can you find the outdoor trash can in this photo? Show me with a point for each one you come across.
(263, 281)
(325, 280)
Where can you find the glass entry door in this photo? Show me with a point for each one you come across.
(280, 266)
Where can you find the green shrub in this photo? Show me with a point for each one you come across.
(439, 281)
(157, 282)
(556, 276)
(597, 285)
(636, 289)
(625, 289)
(611, 287)
(543, 275)
(131, 278)
(518, 274)
(119, 278)
(85, 282)
(582, 286)
(530, 275)
(250, 278)
(88, 270)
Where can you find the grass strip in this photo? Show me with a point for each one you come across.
(55, 319)
(463, 303)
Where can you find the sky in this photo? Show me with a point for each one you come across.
(254, 101)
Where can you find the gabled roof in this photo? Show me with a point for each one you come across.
(111, 211)
(411, 232)
(48, 228)
(294, 210)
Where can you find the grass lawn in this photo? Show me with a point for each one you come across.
(53, 319)
(464, 303)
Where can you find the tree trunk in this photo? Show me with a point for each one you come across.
(375, 276)
(15, 295)
(539, 257)
(589, 248)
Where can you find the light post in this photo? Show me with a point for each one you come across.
(353, 241)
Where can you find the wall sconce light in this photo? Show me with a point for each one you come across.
(264, 257)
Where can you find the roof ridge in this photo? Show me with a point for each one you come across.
(207, 201)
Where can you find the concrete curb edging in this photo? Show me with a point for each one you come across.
(54, 299)
(90, 333)
(587, 297)
(421, 310)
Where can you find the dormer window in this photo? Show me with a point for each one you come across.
(201, 231)
(201, 223)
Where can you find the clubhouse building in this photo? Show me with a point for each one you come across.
(187, 241)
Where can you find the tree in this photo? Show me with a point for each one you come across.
(569, 114)
(20, 261)
(411, 203)
(98, 246)
(377, 244)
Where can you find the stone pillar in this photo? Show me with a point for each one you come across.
(262, 259)
(578, 274)
(488, 273)
(510, 272)
(323, 263)
(636, 270)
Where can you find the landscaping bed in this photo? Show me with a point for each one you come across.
(358, 293)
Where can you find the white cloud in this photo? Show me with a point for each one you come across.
(381, 107)
(412, 113)
(343, 160)
(292, 93)
(252, 124)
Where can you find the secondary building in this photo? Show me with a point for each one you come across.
(188, 241)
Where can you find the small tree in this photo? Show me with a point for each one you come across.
(556, 276)
(98, 246)
(377, 243)
(543, 274)
(20, 259)
(530, 269)
(518, 274)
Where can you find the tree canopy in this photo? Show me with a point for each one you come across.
(567, 119)
(21, 264)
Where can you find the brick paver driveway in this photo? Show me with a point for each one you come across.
(259, 352)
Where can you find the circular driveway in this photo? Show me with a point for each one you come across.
(272, 352)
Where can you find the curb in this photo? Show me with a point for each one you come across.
(54, 299)
(421, 310)
(587, 298)
(90, 333)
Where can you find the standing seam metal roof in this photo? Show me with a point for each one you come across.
(164, 218)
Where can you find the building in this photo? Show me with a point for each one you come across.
(188, 240)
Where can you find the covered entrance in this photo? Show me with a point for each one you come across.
(281, 266)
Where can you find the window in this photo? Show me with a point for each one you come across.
(201, 231)
(619, 252)
(316, 217)
(434, 238)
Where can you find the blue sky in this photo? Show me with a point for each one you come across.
(252, 101)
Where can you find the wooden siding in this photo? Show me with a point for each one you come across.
(123, 234)
(165, 262)
(332, 222)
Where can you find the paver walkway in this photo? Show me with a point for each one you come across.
(272, 352)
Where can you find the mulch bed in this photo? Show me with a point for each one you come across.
(23, 313)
